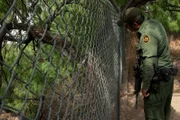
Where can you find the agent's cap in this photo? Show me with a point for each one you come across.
(131, 14)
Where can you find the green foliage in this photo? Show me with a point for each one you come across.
(3, 8)
(37, 71)
(168, 18)
(32, 73)
(162, 12)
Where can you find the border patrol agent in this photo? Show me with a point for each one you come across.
(153, 51)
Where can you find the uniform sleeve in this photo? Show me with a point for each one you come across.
(149, 48)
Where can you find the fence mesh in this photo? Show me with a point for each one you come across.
(60, 59)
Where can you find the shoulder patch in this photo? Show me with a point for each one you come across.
(146, 38)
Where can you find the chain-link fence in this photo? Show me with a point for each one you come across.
(60, 59)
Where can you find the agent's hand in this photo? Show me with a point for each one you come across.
(144, 93)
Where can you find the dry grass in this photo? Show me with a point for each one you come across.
(175, 48)
(175, 54)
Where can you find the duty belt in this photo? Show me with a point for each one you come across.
(164, 74)
(169, 71)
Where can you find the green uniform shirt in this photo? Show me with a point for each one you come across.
(154, 49)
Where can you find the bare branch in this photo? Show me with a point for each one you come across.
(61, 42)
(36, 33)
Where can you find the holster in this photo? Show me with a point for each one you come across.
(154, 88)
(162, 75)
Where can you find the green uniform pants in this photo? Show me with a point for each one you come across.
(158, 105)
